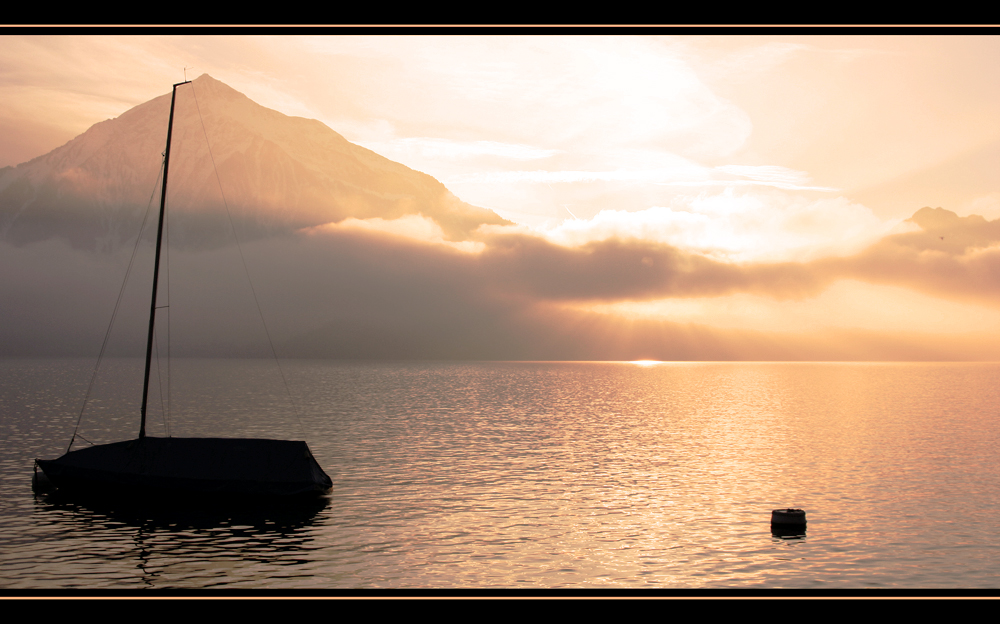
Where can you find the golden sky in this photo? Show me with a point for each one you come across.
(784, 167)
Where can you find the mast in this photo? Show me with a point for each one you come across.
(156, 264)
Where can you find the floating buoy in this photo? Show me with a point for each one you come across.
(788, 517)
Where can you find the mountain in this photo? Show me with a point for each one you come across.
(277, 173)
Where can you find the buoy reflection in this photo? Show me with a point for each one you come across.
(788, 532)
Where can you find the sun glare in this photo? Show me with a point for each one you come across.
(413, 227)
(845, 304)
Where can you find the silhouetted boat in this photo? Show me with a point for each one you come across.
(211, 467)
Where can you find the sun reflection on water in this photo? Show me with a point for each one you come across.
(572, 474)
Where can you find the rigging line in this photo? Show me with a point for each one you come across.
(225, 203)
(107, 334)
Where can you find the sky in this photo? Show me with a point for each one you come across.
(754, 157)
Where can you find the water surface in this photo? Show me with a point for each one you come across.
(535, 475)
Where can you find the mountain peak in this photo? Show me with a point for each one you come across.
(205, 84)
(282, 173)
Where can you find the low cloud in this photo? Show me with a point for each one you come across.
(733, 226)
(411, 227)
(615, 269)
(379, 288)
(942, 254)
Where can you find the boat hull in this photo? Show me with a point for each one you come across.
(204, 467)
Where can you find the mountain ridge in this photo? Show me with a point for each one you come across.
(278, 173)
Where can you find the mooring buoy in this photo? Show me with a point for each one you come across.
(788, 517)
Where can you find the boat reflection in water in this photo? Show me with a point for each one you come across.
(156, 541)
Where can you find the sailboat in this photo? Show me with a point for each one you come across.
(213, 467)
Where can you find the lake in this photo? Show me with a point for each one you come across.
(483, 475)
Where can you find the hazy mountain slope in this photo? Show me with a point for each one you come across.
(278, 173)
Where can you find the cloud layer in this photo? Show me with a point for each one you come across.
(399, 289)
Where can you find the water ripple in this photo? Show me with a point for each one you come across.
(578, 475)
